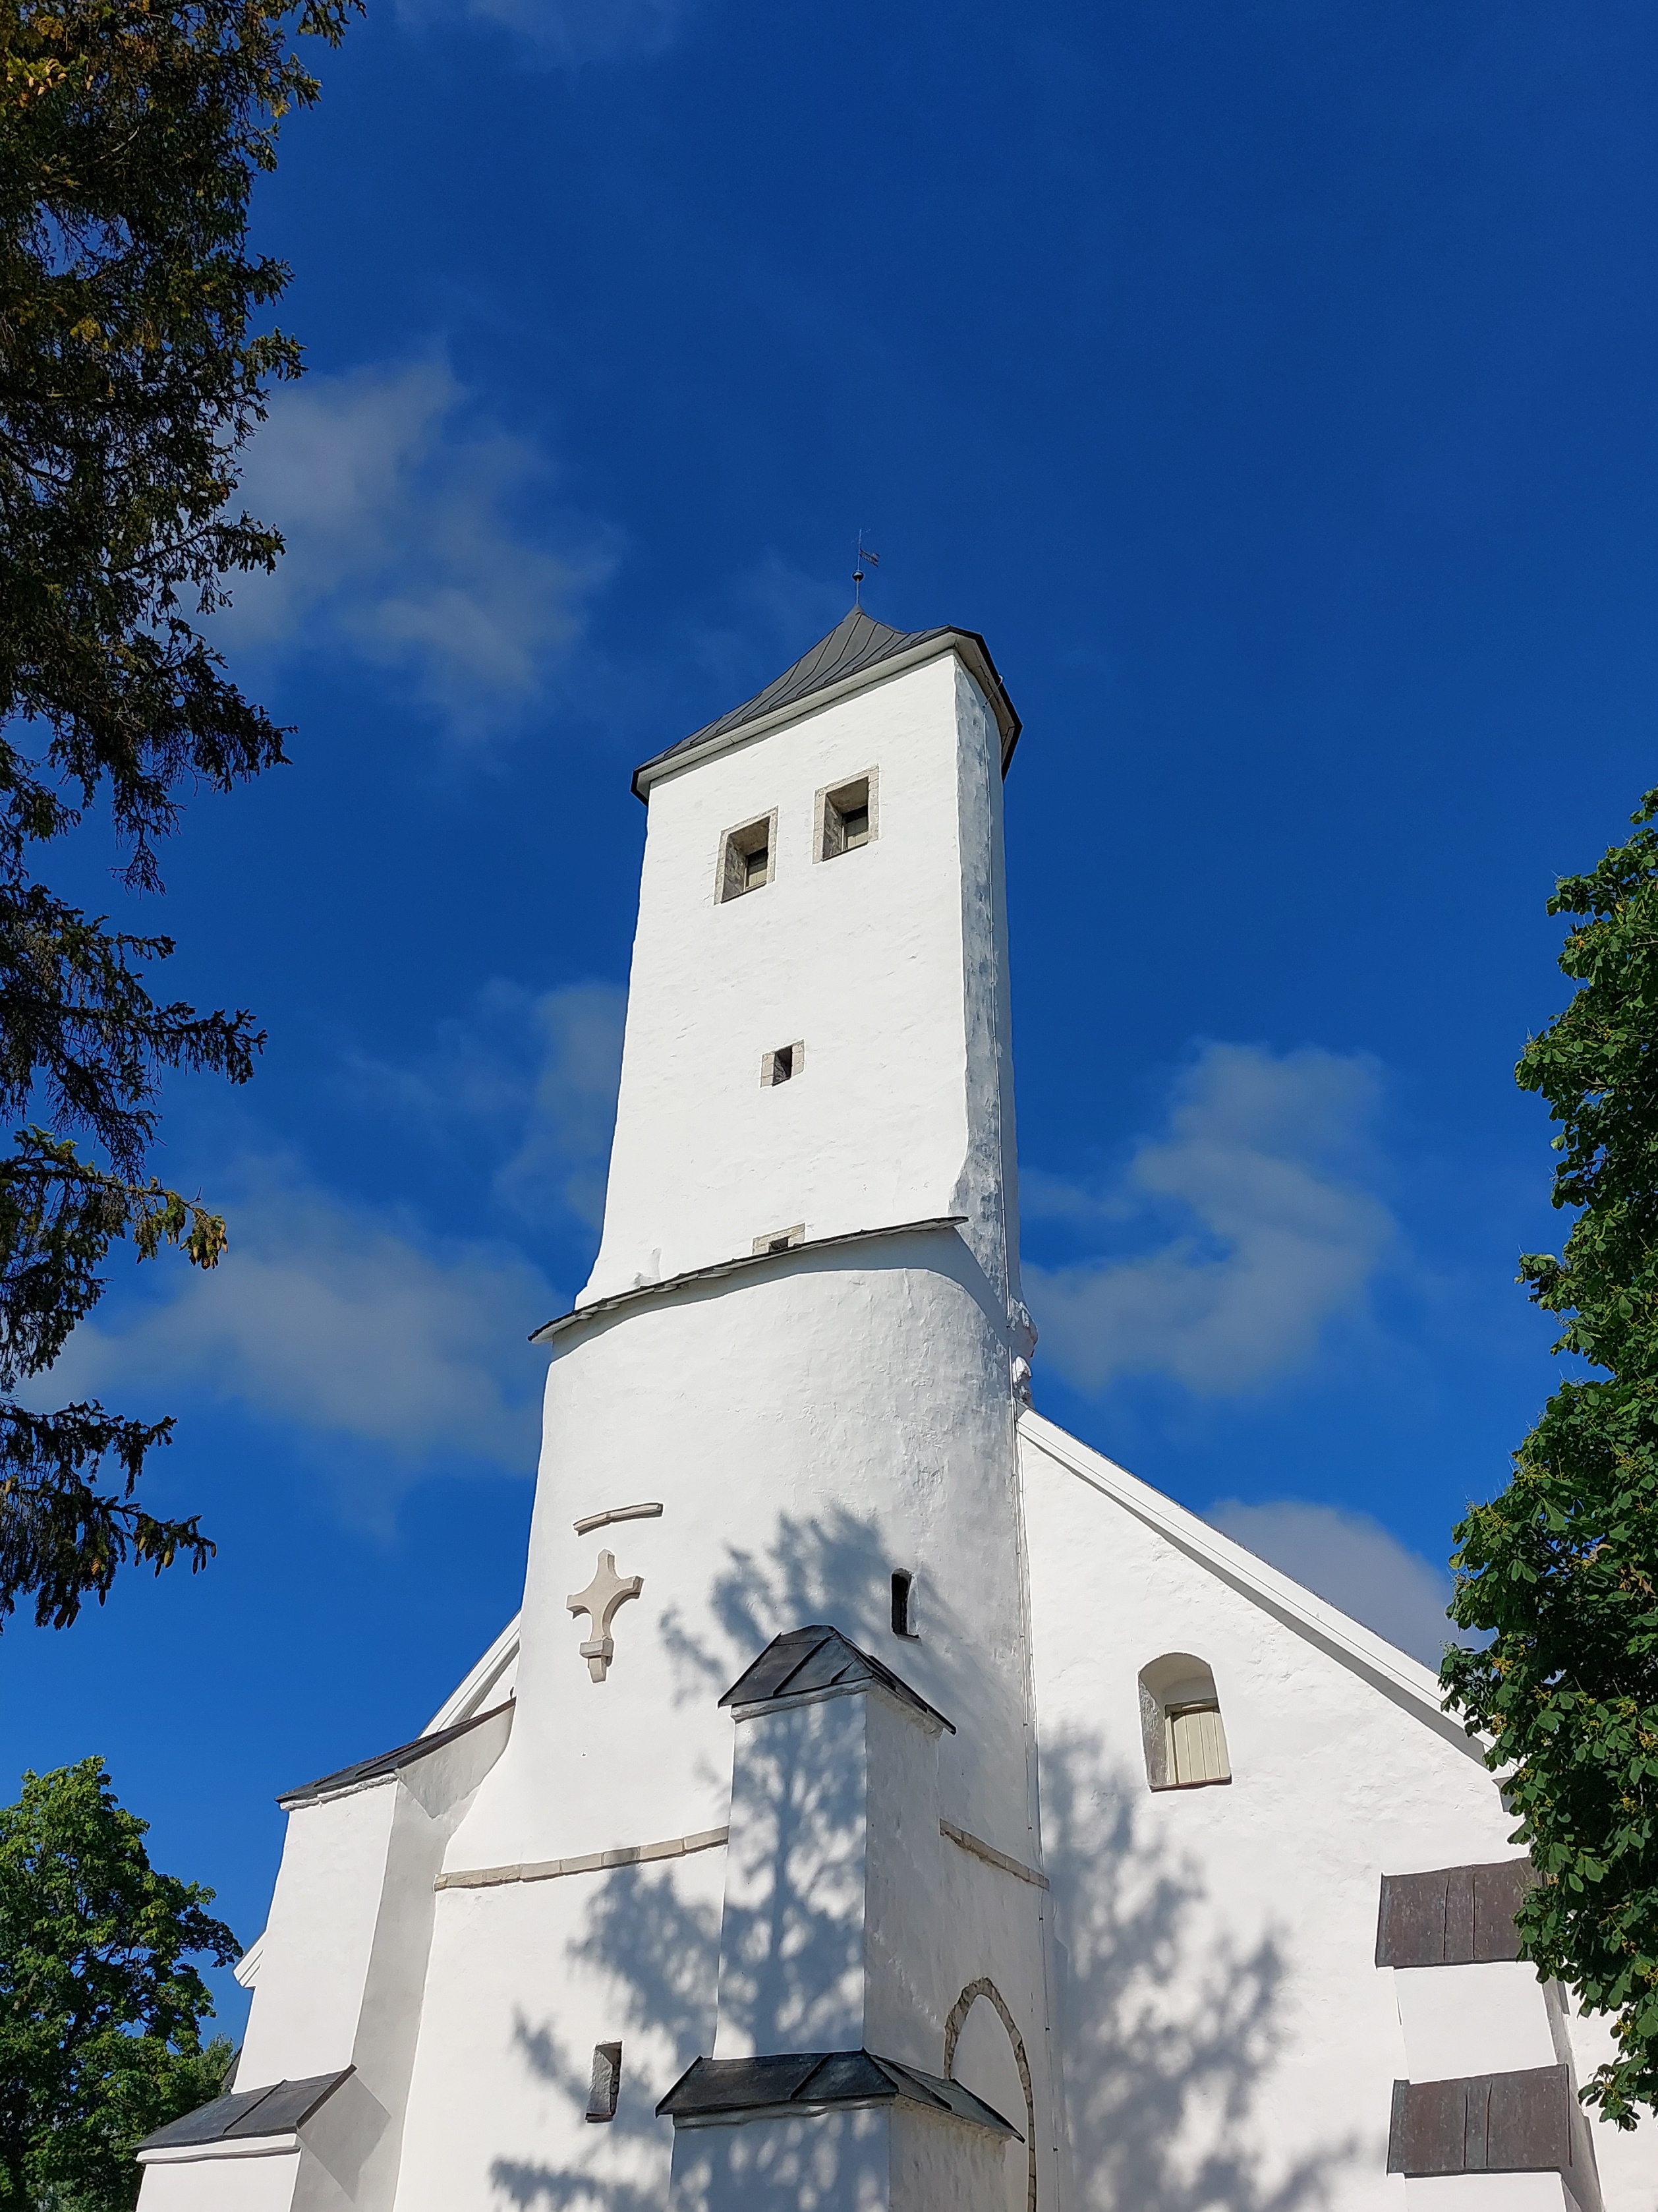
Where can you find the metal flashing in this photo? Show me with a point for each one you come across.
(1526, 2121)
(858, 650)
(617, 1299)
(388, 1764)
(1452, 1916)
(277, 2110)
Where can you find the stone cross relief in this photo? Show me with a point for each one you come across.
(600, 1600)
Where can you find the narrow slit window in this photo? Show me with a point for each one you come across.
(747, 857)
(782, 1065)
(607, 2081)
(903, 1605)
(1184, 1735)
(845, 816)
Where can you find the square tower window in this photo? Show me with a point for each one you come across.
(845, 816)
(782, 1065)
(746, 857)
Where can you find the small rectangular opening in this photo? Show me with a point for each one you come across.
(904, 1604)
(782, 1065)
(781, 1240)
(845, 816)
(607, 2081)
(746, 857)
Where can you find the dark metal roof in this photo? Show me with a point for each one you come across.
(856, 644)
(277, 2111)
(809, 1661)
(711, 2087)
(389, 1762)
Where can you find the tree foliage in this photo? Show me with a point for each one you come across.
(1563, 1566)
(131, 376)
(100, 2012)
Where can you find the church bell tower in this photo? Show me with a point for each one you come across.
(765, 1820)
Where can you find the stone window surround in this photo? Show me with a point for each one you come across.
(738, 843)
(1178, 1680)
(779, 1240)
(770, 1079)
(606, 2081)
(867, 781)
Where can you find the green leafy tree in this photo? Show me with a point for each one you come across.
(130, 377)
(1562, 1568)
(99, 2012)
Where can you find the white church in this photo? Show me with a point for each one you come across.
(882, 1799)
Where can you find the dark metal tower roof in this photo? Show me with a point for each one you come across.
(857, 644)
(806, 1663)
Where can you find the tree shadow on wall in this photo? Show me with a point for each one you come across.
(1172, 2031)
(659, 1949)
(803, 1576)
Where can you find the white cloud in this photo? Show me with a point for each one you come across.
(1351, 1561)
(538, 1071)
(406, 541)
(569, 31)
(1264, 1230)
(343, 1323)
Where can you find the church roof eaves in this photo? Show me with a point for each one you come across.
(248, 2115)
(467, 1702)
(858, 651)
(1406, 1680)
(818, 1662)
(736, 1264)
(388, 1763)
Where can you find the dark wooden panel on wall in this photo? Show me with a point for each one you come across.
(1483, 2123)
(1453, 1917)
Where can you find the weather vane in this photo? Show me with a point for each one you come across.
(864, 556)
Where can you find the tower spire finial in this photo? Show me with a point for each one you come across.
(864, 556)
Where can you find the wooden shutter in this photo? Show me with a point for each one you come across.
(1197, 1745)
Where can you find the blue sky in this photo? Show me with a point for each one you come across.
(1270, 384)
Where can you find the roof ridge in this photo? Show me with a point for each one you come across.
(859, 642)
(386, 1763)
(760, 1684)
(1395, 1673)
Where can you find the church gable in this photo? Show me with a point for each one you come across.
(1047, 1452)
(1229, 1772)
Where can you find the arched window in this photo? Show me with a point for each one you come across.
(1180, 1722)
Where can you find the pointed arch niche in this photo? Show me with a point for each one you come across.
(1181, 1726)
(1019, 2200)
